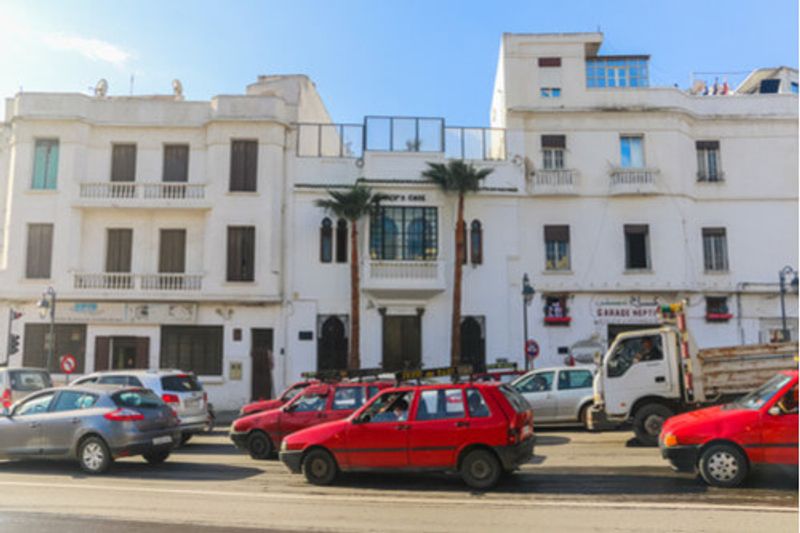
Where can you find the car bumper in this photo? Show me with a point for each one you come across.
(239, 439)
(681, 458)
(292, 459)
(513, 456)
(144, 444)
(196, 424)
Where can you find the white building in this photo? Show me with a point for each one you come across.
(185, 234)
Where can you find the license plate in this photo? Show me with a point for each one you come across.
(162, 440)
(192, 403)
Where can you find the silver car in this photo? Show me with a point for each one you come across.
(561, 395)
(180, 390)
(16, 383)
(92, 423)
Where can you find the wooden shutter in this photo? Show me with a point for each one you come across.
(241, 253)
(244, 165)
(556, 233)
(118, 250)
(549, 61)
(172, 251)
(40, 251)
(101, 353)
(707, 145)
(554, 141)
(123, 162)
(176, 163)
(143, 352)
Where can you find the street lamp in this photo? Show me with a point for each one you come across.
(527, 298)
(784, 272)
(45, 305)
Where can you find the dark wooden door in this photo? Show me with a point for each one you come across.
(473, 344)
(332, 345)
(402, 342)
(261, 354)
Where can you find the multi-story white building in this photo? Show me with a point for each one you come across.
(185, 234)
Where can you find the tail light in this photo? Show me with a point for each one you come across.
(124, 415)
(170, 398)
(6, 398)
(513, 435)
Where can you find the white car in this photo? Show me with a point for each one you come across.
(561, 395)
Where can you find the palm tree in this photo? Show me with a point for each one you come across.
(460, 178)
(353, 204)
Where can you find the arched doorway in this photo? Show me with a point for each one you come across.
(473, 343)
(332, 344)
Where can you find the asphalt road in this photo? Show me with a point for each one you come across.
(579, 482)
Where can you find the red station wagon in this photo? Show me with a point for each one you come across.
(723, 442)
(260, 434)
(477, 429)
(274, 403)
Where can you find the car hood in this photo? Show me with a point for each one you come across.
(262, 405)
(320, 434)
(261, 420)
(710, 418)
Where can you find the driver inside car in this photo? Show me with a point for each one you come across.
(788, 403)
(395, 412)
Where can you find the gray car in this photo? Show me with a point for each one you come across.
(92, 423)
(16, 383)
(561, 395)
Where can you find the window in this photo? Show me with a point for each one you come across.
(574, 379)
(476, 404)
(172, 252)
(717, 309)
(440, 404)
(73, 401)
(70, 338)
(708, 161)
(241, 253)
(35, 406)
(120, 380)
(180, 383)
(634, 350)
(769, 86)
(45, 164)
(326, 241)
(176, 163)
(539, 382)
(637, 246)
(309, 403)
(404, 233)
(617, 72)
(348, 398)
(550, 92)
(793, 87)
(40, 251)
(137, 398)
(388, 407)
(555, 309)
(553, 147)
(556, 245)
(119, 243)
(29, 380)
(549, 61)
(715, 250)
(631, 153)
(123, 162)
(476, 243)
(341, 241)
(244, 165)
(195, 349)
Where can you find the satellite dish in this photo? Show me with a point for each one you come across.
(177, 88)
(101, 89)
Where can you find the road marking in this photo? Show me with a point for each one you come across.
(413, 500)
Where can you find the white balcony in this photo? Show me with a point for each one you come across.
(125, 282)
(404, 279)
(554, 182)
(143, 195)
(633, 181)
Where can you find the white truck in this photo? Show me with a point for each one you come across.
(646, 376)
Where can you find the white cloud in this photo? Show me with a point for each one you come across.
(93, 49)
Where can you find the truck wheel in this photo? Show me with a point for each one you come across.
(648, 420)
(259, 445)
(319, 467)
(723, 465)
(480, 469)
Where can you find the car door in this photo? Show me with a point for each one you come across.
(22, 432)
(306, 410)
(629, 376)
(574, 387)
(538, 390)
(779, 430)
(437, 428)
(64, 420)
(378, 438)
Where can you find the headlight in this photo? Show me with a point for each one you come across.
(670, 440)
(283, 445)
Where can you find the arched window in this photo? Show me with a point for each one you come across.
(326, 241)
(341, 241)
(476, 243)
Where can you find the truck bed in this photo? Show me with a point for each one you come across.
(739, 369)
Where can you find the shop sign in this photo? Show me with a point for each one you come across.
(633, 310)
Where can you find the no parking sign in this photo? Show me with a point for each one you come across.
(531, 349)
(68, 363)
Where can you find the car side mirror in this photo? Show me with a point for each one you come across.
(288, 408)
(774, 411)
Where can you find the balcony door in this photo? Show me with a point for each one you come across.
(172, 258)
(402, 342)
(261, 355)
(119, 245)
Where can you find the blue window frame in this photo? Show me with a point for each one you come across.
(604, 72)
(631, 153)
(550, 92)
(45, 164)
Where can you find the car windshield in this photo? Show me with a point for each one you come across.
(137, 398)
(293, 391)
(760, 396)
(29, 380)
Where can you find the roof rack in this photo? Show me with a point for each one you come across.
(413, 374)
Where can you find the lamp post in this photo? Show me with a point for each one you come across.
(784, 272)
(45, 305)
(527, 298)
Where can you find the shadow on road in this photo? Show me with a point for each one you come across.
(202, 448)
(551, 440)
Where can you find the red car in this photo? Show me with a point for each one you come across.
(725, 441)
(274, 403)
(477, 429)
(260, 434)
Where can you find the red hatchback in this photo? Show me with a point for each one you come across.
(261, 433)
(477, 429)
(723, 442)
(274, 403)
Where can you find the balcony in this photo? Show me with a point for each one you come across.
(633, 181)
(555, 182)
(119, 282)
(143, 195)
(403, 279)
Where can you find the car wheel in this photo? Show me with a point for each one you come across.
(480, 469)
(259, 445)
(94, 455)
(185, 437)
(319, 467)
(647, 422)
(156, 458)
(723, 465)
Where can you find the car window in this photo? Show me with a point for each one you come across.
(574, 379)
(29, 381)
(476, 404)
(539, 382)
(440, 404)
(292, 391)
(34, 406)
(373, 390)
(517, 400)
(137, 398)
(309, 403)
(388, 407)
(348, 398)
(634, 350)
(114, 380)
(82, 381)
(788, 402)
(755, 399)
(73, 401)
(180, 383)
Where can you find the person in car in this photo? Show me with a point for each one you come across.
(649, 352)
(396, 412)
(788, 404)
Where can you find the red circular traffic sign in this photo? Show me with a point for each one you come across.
(531, 348)
(68, 363)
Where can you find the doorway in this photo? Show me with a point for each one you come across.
(616, 329)
(261, 355)
(331, 344)
(473, 343)
(121, 353)
(402, 342)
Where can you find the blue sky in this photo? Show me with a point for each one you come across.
(410, 57)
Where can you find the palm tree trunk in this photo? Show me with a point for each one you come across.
(354, 361)
(455, 333)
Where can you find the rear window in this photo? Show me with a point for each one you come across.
(120, 380)
(28, 381)
(137, 398)
(180, 383)
(517, 400)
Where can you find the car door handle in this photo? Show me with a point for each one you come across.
(660, 379)
(462, 424)
(322, 415)
(403, 427)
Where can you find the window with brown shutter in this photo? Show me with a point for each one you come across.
(40, 251)
(554, 141)
(195, 349)
(244, 165)
(241, 253)
(119, 243)
(176, 163)
(123, 162)
(549, 61)
(172, 251)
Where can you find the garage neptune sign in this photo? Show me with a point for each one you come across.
(634, 310)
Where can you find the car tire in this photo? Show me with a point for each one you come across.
(319, 467)
(259, 445)
(723, 465)
(185, 437)
(647, 422)
(480, 469)
(94, 455)
(156, 458)
(583, 417)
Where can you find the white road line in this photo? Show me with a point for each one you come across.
(394, 499)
